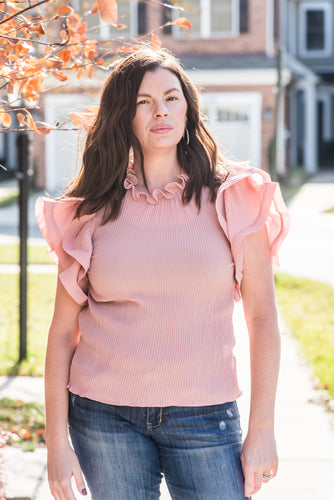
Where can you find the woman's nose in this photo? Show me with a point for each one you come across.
(160, 109)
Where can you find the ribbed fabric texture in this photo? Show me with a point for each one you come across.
(157, 288)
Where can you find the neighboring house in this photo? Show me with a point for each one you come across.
(230, 53)
(308, 39)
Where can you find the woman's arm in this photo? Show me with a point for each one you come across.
(62, 341)
(259, 455)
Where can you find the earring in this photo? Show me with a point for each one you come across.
(187, 135)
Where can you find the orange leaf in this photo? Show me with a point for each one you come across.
(10, 88)
(155, 42)
(60, 75)
(65, 9)
(21, 119)
(31, 122)
(108, 10)
(92, 54)
(37, 29)
(84, 119)
(121, 26)
(22, 48)
(80, 73)
(47, 49)
(100, 61)
(92, 109)
(36, 84)
(65, 55)
(25, 434)
(51, 63)
(43, 130)
(90, 70)
(5, 119)
(182, 21)
(82, 28)
(95, 9)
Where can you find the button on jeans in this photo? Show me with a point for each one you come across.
(123, 451)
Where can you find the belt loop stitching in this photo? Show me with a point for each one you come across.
(150, 425)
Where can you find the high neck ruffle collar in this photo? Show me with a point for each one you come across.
(168, 192)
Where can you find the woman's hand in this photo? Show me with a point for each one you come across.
(63, 464)
(259, 459)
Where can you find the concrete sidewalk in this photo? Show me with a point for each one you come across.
(305, 429)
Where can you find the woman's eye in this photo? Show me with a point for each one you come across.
(172, 98)
(143, 101)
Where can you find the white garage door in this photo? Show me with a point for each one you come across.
(62, 151)
(235, 120)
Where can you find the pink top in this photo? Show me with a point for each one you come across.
(157, 287)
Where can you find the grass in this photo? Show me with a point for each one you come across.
(292, 183)
(9, 254)
(22, 424)
(9, 198)
(308, 311)
(41, 291)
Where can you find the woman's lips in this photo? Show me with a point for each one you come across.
(161, 129)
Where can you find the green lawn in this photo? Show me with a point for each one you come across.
(9, 198)
(307, 308)
(9, 254)
(41, 290)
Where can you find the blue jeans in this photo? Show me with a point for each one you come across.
(123, 451)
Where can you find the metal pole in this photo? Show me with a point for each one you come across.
(23, 175)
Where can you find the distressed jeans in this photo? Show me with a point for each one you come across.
(123, 451)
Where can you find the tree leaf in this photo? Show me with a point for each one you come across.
(60, 75)
(43, 130)
(82, 28)
(21, 119)
(80, 73)
(155, 42)
(84, 119)
(65, 55)
(31, 122)
(108, 10)
(5, 119)
(182, 21)
(64, 10)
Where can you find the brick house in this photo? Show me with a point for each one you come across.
(230, 53)
(308, 39)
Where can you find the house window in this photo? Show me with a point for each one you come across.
(131, 13)
(315, 29)
(212, 19)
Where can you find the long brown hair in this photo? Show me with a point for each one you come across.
(100, 180)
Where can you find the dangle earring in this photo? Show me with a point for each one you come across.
(187, 136)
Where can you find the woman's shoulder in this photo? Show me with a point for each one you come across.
(65, 209)
(236, 172)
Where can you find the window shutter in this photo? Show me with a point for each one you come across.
(243, 16)
(166, 17)
(141, 18)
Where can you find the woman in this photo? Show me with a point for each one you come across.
(151, 241)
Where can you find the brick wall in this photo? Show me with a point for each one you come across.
(252, 42)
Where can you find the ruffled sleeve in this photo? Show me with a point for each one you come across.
(246, 202)
(70, 241)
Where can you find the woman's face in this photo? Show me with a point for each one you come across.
(160, 117)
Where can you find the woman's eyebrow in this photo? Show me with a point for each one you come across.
(165, 93)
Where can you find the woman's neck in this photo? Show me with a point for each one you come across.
(159, 170)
